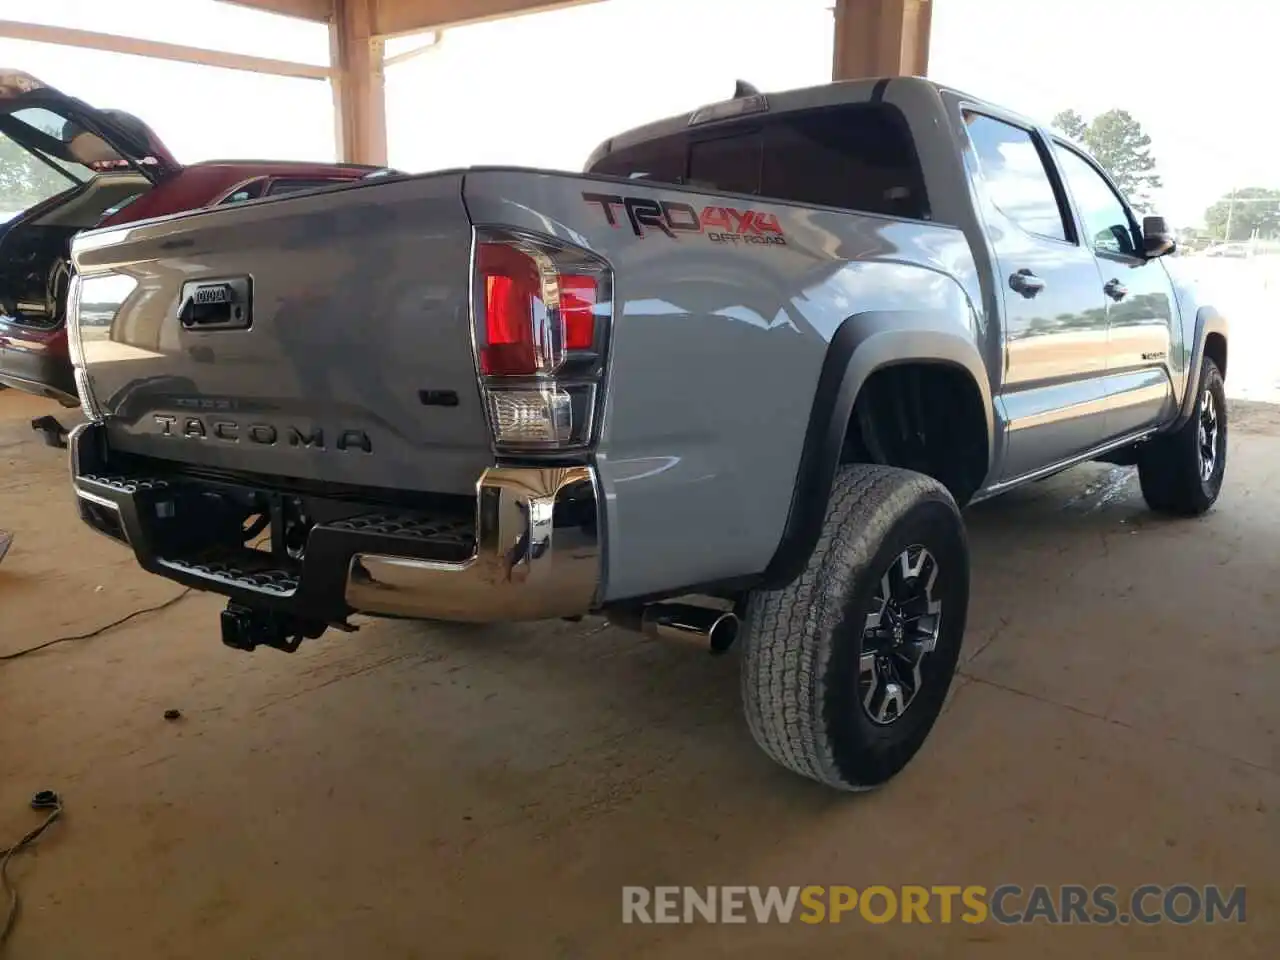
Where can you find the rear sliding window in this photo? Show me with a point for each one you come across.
(856, 157)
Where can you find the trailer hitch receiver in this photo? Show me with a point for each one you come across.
(247, 628)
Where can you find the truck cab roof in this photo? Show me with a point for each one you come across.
(786, 101)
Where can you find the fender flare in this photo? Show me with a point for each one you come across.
(863, 344)
(1208, 320)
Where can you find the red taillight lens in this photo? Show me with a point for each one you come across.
(511, 289)
(515, 315)
(577, 308)
(542, 318)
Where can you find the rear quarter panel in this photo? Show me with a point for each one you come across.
(715, 357)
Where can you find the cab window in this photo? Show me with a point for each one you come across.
(855, 157)
(1107, 225)
(249, 191)
(1016, 177)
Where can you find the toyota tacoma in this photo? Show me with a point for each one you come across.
(733, 382)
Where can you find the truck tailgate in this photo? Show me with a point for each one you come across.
(324, 337)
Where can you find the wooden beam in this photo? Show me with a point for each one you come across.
(68, 37)
(359, 85)
(419, 50)
(398, 17)
(318, 10)
(881, 38)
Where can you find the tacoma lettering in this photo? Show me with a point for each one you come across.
(313, 439)
(261, 434)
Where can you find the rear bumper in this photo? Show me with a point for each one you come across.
(37, 362)
(532, 550)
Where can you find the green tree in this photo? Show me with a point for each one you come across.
(1072, 124)
(1242, 213)
(1118, 143)
(24, 180)
(1123, 149)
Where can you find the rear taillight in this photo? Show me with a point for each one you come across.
(542, 312)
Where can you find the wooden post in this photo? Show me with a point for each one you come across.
(881, 38)
(359, 87)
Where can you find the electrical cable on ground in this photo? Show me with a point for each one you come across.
(98, 630)
(44, 800)
(47, 799)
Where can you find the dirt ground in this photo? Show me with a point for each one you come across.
(418, 791)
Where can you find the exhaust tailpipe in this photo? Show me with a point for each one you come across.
(706, 627)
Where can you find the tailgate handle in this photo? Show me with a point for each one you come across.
(224, 304)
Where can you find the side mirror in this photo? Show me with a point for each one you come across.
(1157, 238)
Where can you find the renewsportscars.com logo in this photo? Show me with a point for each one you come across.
(1005, 904)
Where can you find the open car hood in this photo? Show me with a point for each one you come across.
(53, 125)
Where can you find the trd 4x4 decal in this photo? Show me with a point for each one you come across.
(671, 217)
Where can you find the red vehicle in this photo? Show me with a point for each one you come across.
(65, 167)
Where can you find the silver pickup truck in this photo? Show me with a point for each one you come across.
(733, 382)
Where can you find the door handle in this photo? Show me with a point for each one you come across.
(216, 304)
(1026, 283)
(1115, 290)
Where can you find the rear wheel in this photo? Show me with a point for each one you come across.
(845, 670)
(1182, 473)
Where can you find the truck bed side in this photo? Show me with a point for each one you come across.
(724, 308)
(717, 348)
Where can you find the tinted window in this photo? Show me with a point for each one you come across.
(250, 191)
(1015, 175)
(662, 160)
(727, 164)
(857, 157)
(1106, 222)
(292, 186)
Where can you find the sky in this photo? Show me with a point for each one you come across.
(544, 89)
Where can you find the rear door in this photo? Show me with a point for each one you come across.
(1140, 304)
(1054, 392)
(71, 132)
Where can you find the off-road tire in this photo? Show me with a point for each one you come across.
(1169, 467)
(801, 644)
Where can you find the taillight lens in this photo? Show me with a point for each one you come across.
(578, 305)
(512, 288)
(542, 317)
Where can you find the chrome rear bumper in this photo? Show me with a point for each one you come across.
(532, 552)
(537, 556)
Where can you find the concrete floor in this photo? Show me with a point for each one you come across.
(416, 791)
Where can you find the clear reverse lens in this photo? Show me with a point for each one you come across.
(546, 415)
(537, 416)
